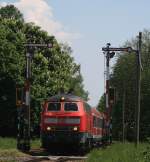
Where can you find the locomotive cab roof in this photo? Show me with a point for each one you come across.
(65, 97)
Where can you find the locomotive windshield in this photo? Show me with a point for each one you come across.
(70, 107)
(54, 106)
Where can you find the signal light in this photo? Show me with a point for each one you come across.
(111, 55)
(19, 96)
(48, 128)
(112, 95)
(75, 128)
(62, 98)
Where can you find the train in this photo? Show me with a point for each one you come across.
(67, 119)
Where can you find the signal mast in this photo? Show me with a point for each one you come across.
(23, 100)
(109, 91)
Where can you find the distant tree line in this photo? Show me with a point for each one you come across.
(53, 70)
(123, 79)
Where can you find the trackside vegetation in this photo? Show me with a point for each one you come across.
(123, 79)
(10, 143)
(121, 153)
(117, 152)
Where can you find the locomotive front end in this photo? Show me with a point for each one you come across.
(61, 121)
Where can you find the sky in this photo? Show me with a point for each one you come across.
(87, 25)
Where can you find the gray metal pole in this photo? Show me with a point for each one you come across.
(107, 91)
(107, 78)
(138, 88)
(123, 115)
(27, 101)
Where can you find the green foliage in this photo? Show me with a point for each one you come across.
(101, 104)
(53, 70)
(146, 152)
(11, 70)
(116, 122)
(11, 12)
(118, 153)
(123, 79)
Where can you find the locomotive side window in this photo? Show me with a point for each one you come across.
(53, 106)
(94, 121)
(97, 122)
(87, 107)
(100, 123)
(70, 107)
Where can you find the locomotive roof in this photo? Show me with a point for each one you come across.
(96, 112)
(67, 97)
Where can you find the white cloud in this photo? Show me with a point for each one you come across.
(39, 12)
(2, 4)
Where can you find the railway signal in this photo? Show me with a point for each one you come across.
(127, 49)
(110, 52)
(23, 140)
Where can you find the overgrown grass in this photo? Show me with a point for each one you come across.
(8, 148)
(10, 143)
(7, 143)
(119, 153)
(9, 152)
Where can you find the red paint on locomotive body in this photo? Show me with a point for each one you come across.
(70, 118)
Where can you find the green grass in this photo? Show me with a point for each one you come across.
(10, 143)
(119, 153)
(7, 143)
(9, 152)
(35, 143)
(8, 148)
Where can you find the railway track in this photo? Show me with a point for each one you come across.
(41, 155)
(57, 159)
(44, 159)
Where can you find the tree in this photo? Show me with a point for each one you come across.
(11, 12)
(101, 104)
(124, 78)
(52, 69)
(11, 69)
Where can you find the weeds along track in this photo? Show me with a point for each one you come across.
(41, 155)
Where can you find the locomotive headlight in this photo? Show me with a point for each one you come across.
(62, 98)
(49, 128)
(75, 128)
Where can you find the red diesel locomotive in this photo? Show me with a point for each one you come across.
(68, 119)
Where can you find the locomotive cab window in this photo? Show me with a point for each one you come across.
(70, 106)
(53, 106)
